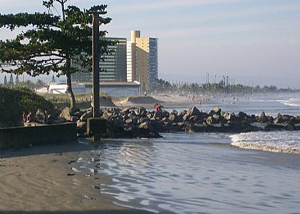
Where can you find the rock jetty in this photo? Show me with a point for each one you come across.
(140, 123)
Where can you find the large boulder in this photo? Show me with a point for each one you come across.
(81, 128)
(229, 116)
(262, 118)
(242, 115)
(66, 114)
(86, 115)
(173, 118)
(41, 116)
(193, 111)
(216, 110)
(141, 112)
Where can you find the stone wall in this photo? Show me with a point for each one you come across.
(37, 135)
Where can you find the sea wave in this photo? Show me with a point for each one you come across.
(285, 142)
(295, 102)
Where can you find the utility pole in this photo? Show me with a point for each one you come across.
(96, 62)
(96, 125)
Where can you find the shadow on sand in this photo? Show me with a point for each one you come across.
(81, 212)
(47, 149)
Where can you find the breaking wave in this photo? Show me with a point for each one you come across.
(286, 142)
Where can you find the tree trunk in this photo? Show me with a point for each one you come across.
(69, 86)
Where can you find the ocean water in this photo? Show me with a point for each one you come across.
(206, 172)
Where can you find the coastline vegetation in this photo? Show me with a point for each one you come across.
(13, 102)
(48, 42)
(221, 87)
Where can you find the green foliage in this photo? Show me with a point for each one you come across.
(221, 87)
(13, 102)
(49, 44)
(39, 20)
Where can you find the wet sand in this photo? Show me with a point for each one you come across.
(41, 180)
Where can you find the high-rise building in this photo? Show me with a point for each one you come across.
(113, 68)
(142, 61)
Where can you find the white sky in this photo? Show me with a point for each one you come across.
(251, 41)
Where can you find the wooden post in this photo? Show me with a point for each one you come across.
(95, 61)
(96, 82)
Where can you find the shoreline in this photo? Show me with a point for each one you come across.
(167, 101)
(41, 180)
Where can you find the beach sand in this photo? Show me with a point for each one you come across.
(168, 101)
(41, 180)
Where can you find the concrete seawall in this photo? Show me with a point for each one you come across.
(18, 137)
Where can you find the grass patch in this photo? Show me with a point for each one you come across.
(13, 102)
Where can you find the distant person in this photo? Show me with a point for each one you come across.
(157, 108)
(29, 118)
(24, 117)
(145, 93)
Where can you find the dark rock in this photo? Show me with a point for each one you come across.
(157, 115)
(66, 114)
(242, 115)
(216, 110)
(193, 112)
(141, 112)
(41, 116)
(229, 116)
(278, 127)
(174, 112)
(195, 127)
(59, 120)
(86, 115)
(164, 113)
(128, 121)
(209, 120)
(173, 118)
(126, 110)
(165, 119)
(186, 117)
(182, 113)
(78, 114)
(81, 127)
(145, 125)
(218, 127)
(265, 119)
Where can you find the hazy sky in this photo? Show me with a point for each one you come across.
(251, 41)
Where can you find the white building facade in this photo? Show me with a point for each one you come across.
(142, 60)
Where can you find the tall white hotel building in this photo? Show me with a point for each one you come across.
(142, 60)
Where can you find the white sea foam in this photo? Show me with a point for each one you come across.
(287, 142)
(295, 102)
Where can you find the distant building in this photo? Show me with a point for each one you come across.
(142, 60)
(117, 89)
(61, 88)
(132, 61)
(113, 68)
(113, 89)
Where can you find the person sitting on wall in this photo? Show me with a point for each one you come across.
(24, 117)
(29, 118)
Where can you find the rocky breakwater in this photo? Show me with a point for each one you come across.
(140, 123)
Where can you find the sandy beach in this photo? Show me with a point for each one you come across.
(168, 101)
(41, 180)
